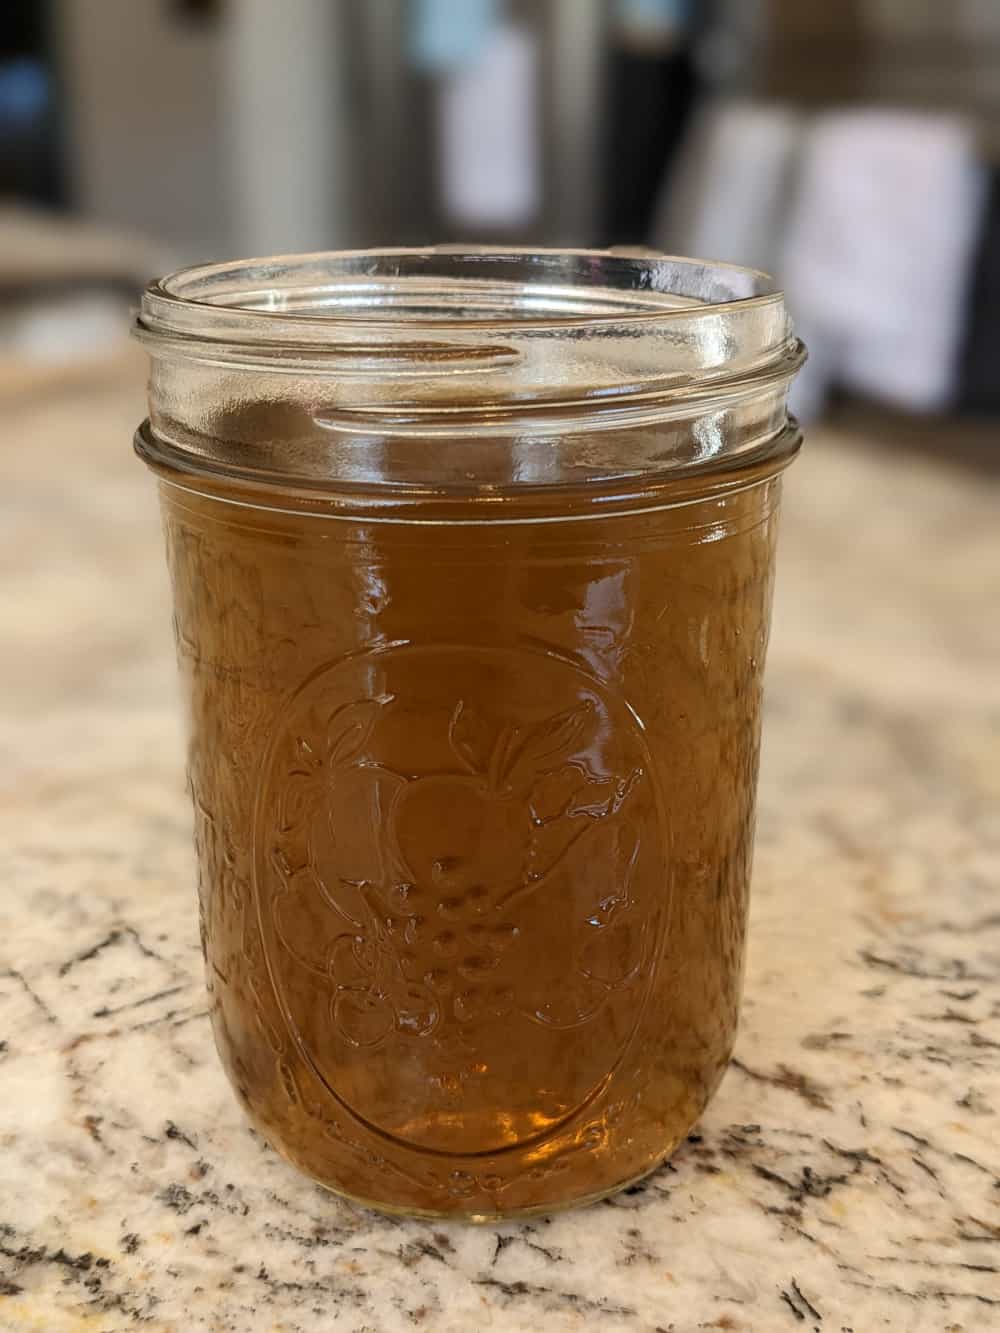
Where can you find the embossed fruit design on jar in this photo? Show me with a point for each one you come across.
(405, 891)
(472, 587)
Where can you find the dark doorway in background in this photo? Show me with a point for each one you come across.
(31, 160)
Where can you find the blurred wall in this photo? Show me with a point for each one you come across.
(255, 126)
(145, 122)
(288, 126)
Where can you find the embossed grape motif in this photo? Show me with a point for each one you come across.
(440, 869)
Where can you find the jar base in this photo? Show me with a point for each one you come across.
(486, 1218)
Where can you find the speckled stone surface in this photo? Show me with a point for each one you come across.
(847, 1175)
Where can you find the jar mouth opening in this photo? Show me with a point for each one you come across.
(307, 362)
(331, 297)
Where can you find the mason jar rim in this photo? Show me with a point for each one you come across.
(437, 329)
(315, 299)
(563, 355)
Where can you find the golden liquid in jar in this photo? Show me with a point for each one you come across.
(474, 812)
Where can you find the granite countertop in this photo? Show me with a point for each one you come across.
(847, 1175)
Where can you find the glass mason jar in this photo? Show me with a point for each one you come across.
(472, 554)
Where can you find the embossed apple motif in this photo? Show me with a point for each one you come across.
(463, 837)
(470, 834)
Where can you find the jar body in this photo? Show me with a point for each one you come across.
(474, 817)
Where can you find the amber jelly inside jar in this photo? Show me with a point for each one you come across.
(472, 554)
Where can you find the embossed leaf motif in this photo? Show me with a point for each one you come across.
(297, 799)
(350, 726)
(547, 742)
(611, 956)
(607, 952)
(471, 737)
(612, 948)
(347, 834)
(308, 918)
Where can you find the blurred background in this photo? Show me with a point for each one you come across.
(852, 149)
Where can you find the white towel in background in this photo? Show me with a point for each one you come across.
(489, 134)
(730, 194)
(879, 251)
